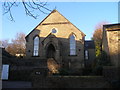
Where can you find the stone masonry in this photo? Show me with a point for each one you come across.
(60, 41)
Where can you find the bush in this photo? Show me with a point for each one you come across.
(97, 70)
(87, 71)
(63, 71)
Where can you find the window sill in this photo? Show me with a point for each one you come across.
(35, 56)
(72, 55)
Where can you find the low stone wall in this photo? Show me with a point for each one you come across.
(20, 75)
(21, 68)
(26, 73)
(25, 62)
(70, 82)
(111, 73)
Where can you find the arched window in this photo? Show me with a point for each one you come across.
(72, 45)
(86, 54)
(36, 46)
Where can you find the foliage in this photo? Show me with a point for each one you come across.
(97, 70)
(63, 71)
(97, 37)
(101, 60)
(105, 61)
(86, 71)
(101, 56)
(98, 48)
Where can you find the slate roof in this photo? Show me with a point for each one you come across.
(89, 44)
(109, 25)
(112, 27)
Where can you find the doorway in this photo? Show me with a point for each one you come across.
(50, 51)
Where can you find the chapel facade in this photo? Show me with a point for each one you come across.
(56, 37)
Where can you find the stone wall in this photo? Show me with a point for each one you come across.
(21, 68)
(113, 46)
(70, 82)
(63, 33)
(60, 40)
(111, 43)
(91, 58)
(111, 73)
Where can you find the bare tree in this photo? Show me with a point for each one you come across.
(4, 43)
(97, 35)
(30, 6)
(17, 45)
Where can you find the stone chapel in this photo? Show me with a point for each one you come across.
(56, 37)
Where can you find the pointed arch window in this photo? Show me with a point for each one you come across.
(36, 46)
(72, 45)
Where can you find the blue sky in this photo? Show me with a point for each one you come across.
(84, 15)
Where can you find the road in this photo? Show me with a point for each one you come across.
(16, 84)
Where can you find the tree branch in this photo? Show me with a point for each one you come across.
(27, 11)
(29, 8)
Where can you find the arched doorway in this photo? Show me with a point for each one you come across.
(50, 51)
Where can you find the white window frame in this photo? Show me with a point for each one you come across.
(72, 45)
(36, 46)
(5, 72)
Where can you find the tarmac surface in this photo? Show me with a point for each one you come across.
(16, 84)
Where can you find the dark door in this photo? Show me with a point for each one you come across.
(50, 51)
